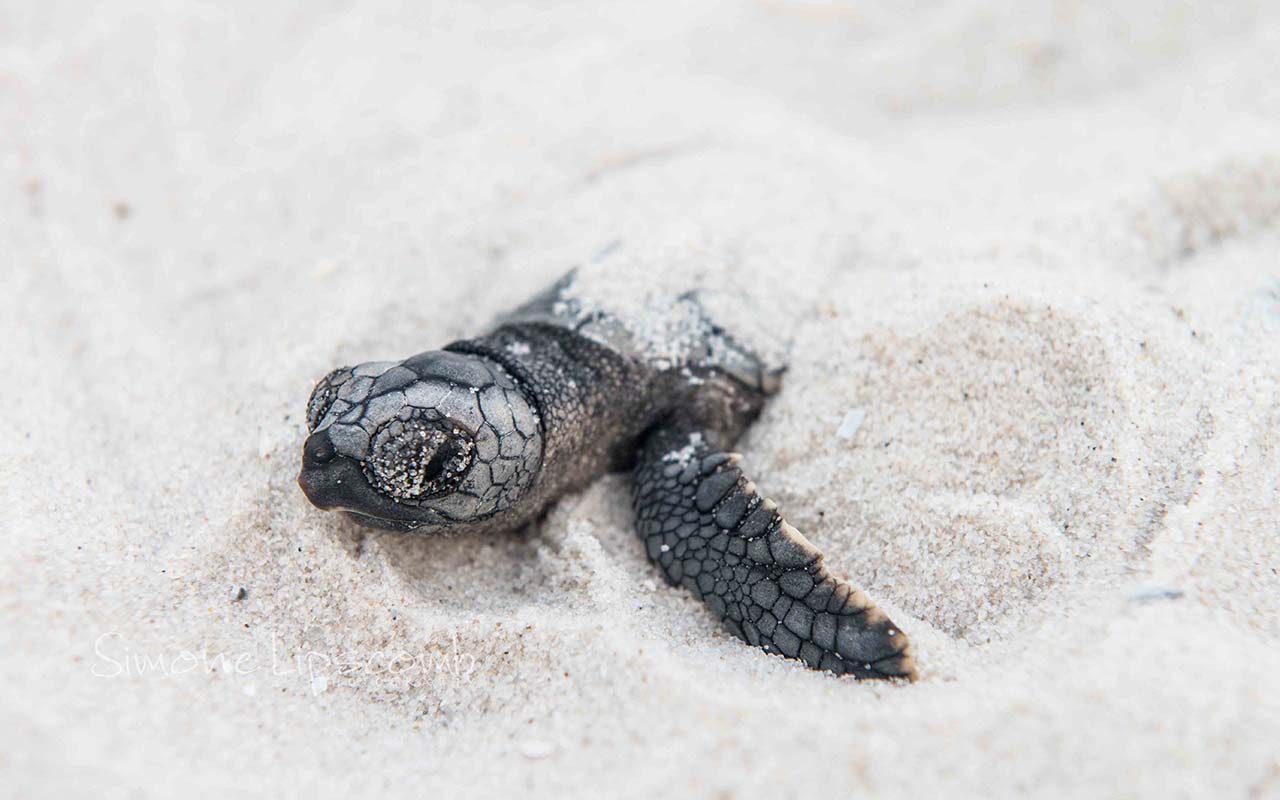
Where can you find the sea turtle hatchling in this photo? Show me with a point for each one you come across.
(485, 433)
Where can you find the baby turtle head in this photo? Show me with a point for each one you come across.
(441, 440)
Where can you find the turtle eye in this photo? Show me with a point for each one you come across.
(417, 458)
(324, 394)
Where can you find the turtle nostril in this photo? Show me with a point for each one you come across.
(319, 450)
(318, 479)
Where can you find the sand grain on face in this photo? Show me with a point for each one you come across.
(1020, 263)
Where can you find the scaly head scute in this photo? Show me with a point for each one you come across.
(435, 441)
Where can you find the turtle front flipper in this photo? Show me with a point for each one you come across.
(706, 526)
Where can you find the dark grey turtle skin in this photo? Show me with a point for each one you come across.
(486, 433)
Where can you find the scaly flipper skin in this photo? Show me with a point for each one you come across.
(705, 525)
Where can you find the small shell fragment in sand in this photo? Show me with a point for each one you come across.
(852, 421)
(1147, 594)
(535, 749)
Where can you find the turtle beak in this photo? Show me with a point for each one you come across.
(322, 473)
(333, 481)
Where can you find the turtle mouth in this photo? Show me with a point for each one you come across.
(403, 526)
(340, 488)
(335, 482)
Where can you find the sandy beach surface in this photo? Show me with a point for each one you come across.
(1025, 257)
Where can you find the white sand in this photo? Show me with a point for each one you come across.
(1035, 243)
